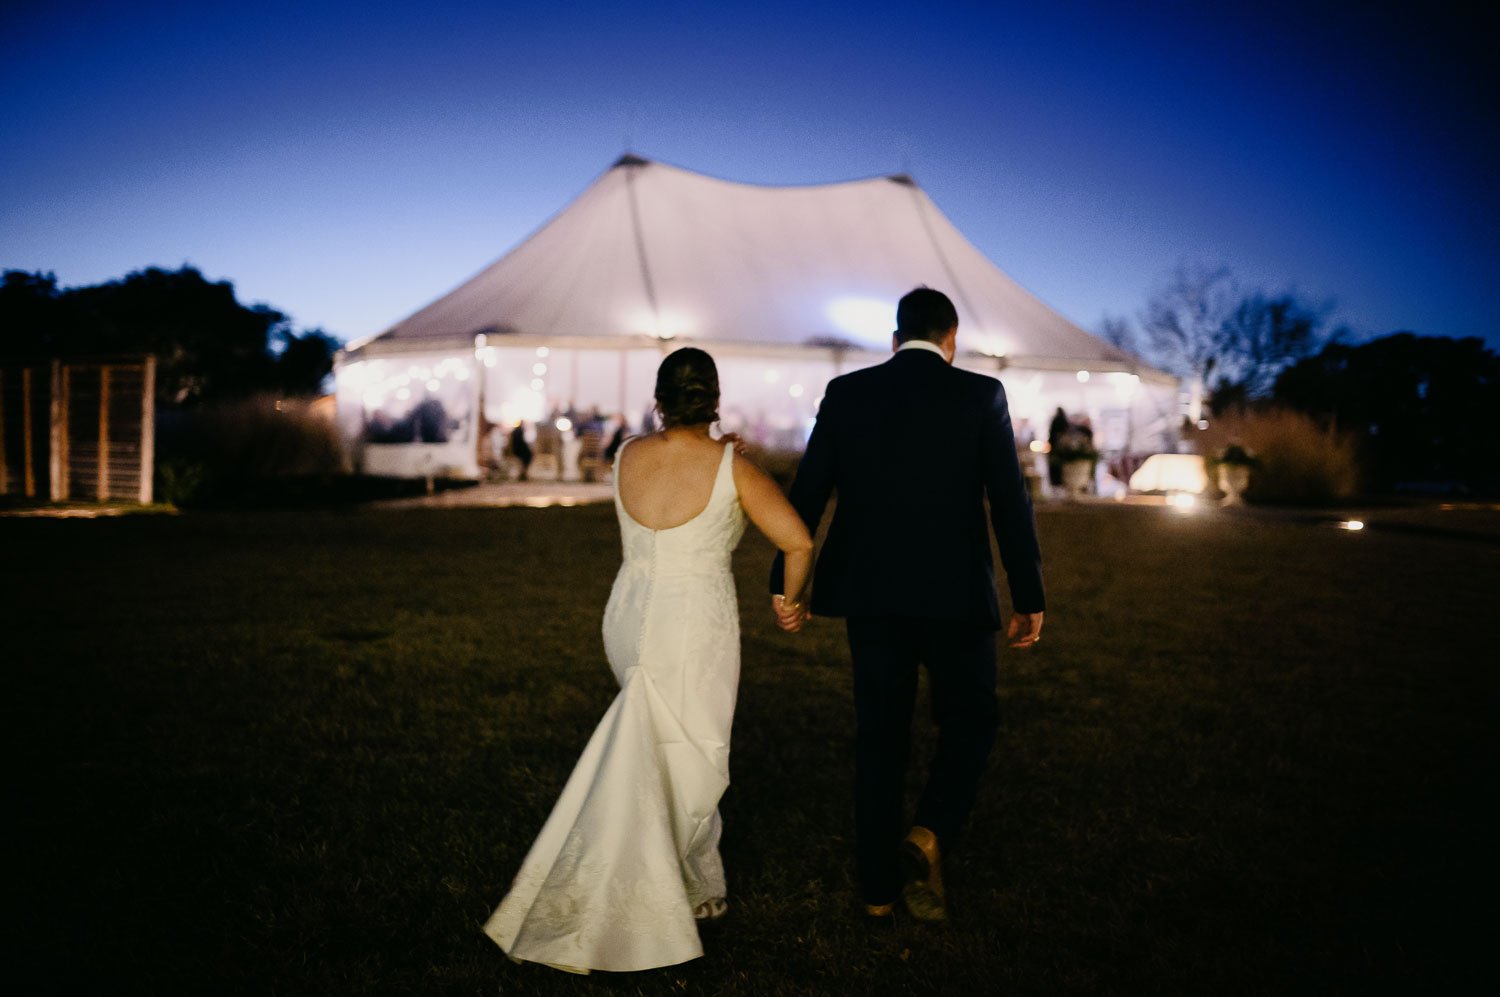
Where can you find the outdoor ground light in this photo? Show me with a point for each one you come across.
(1182, 501)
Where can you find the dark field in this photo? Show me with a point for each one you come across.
(304, 753)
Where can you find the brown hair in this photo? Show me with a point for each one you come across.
(687, 388)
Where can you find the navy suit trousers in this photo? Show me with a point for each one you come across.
(960, 660)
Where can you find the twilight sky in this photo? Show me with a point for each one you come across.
(349, 163)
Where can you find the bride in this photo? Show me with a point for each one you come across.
(628, 862)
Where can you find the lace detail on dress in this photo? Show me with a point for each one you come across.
(632, 845)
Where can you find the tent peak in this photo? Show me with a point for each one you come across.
(632, 159)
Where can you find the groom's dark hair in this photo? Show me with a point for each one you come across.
(924, 314)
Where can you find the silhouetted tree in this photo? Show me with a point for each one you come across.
(305, 361)
(1199, 326)
(1261, 337)
(207, 344)
(1183, 323)
(33, 315)
(1422, 406)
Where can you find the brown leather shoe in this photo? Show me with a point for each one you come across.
(922, 870)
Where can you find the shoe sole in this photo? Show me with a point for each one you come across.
(922, 901)
(716, 911)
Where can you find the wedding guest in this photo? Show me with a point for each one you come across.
(520, 449)
(432, 421)
(1057, 432)
(615, 440)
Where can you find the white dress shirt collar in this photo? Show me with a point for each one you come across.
(923, 344)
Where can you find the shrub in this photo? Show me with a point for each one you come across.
(1299, 462)
(1236, 455)
(243, 450)
(182, 482)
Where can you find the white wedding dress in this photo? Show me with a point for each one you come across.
(632, 845)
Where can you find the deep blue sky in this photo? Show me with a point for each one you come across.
(348, 163)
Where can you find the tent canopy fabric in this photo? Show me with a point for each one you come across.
(653, 250)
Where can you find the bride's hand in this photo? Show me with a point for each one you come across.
(789, 615)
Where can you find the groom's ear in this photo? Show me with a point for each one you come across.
(895, 341)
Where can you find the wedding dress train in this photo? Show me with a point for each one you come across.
(632, 845)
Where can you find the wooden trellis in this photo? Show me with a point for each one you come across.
(78, 430)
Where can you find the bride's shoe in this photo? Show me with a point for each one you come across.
(711, 909)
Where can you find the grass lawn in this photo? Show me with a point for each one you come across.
(303, 753)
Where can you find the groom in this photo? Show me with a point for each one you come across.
(913, 447)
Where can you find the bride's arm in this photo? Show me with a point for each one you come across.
(774, 516)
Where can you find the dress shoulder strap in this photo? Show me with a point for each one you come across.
(615, 470)
(724, 478)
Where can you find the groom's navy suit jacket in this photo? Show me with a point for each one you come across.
(912, 448)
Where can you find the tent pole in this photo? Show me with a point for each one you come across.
(480, 422)
(621, 409)
(647, 284)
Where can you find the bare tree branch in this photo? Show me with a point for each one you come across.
(1264, 335)
(1116, 330)
(1184, 319)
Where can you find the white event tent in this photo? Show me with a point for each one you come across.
(785, 286)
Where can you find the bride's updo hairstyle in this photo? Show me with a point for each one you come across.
(687, 388)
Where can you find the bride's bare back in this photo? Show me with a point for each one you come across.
(666, 479)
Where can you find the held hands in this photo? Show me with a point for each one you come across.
(789, 615)
(1024, 630)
